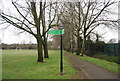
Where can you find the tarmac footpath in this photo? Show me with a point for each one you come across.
(90, 71)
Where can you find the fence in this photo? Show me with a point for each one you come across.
(102, 48)
(112, 49)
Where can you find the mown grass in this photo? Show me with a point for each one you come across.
(22, 65)
(110, 66)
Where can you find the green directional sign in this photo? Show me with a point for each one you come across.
(56, 32)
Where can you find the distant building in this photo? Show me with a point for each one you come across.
(118, 41)
(56, 40)
(112, 41)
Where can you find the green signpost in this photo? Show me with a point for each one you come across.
(56, 32)
(59, 32)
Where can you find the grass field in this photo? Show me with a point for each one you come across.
(110, 66)
(22, 65)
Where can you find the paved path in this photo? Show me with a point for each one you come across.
(87, 70)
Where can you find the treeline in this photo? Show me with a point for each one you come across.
(23, 46)
(18, 46)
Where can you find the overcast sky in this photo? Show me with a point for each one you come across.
(10, 35)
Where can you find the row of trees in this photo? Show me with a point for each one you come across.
(79, 19)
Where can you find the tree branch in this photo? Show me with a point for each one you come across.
(16, 25)
(22, 15)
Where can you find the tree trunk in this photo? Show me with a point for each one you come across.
(73, 44)
(79, 46)
(44, 37)
(40, 50)
(83, 47)
(72, 47)
(45, 49)
(78, 35)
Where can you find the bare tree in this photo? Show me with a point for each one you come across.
(93, 17)
(45, 36)
(29, 18)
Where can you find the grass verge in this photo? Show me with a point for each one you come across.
(22, 64)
